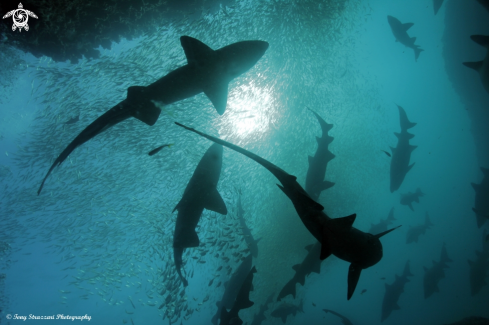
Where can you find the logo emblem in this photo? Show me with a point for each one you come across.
(20, 17)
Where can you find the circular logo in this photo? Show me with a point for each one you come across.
(8, 316)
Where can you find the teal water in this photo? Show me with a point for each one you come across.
(98, 240)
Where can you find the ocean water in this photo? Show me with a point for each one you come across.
(98, 240)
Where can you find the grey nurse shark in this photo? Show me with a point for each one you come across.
(207, 70)
(201, 193)
(337, 236)
(400, 33)
(482, 67)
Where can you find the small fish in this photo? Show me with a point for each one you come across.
(73, 120)
(155, 151)
(382, 278)
(219, 268)
(388, 154)
(363, 291)
(210, 282)
(314, 304)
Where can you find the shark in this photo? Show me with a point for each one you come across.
(315, 182)
(207, 70)
(410, 197)
(383, 224)
(201, 193)
(415, 231)
(437, 5)
(260, 317)
(481, 207)
(311, 263)
(401, 155)
(232, 287)
(400, 33)
(482, 67)
(242, 302)
(250, 241)
(344, 320)
(285, 310)
(479, 269)
(337, 236)
(433, 275)
(393, 292)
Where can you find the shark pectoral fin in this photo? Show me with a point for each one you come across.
(309, 247)
(392, 149)
(410, 206)
(218, 95)
(477, 66)
(406, 26)
(482, 40)
(353, 277)
(176, 206)
(409, 167)
(325, 185)
(413, 39)
(311, 202)
(195, 51)
(411, 148)
(296, 267)
(192, 240)
(214, 202)
(476, 188)
(142, 108)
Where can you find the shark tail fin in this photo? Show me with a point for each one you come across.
(482, 40)
(417, 52)
(142, 108)
(477, 66)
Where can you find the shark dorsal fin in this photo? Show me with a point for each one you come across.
(195, 50)
(406, 26)
(477, 66)
(214, 202)
(482, 40)
(345, 222)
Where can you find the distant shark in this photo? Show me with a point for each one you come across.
(344, 320)
(437, 5)
(311, 263)
(400, 33)
(232, 287)
(250, 241)
(481, 207)
(415, 231)
(481, 66)
(402, 153)
(337, 236)
(433, 275)
(201, 193)
(206, 71)
(286, 309)
(377, 228)
(393, 292)
(410, 197)
(315, 182)
(242, 302)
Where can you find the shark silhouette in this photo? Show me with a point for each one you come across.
(400, 33)
(481, 207)
(242, 302)
(286, 309)
(337, 236)
(482, 67)
(250, 241)
(382, 225)
(418, 230)
(232, 287)
(206, 71)
(402, 153)
(201, 193)
(315, 182)
(410, 197)
(433, 275)
(310, 264)
(393, 292)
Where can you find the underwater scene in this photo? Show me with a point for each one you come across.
(244, 162)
